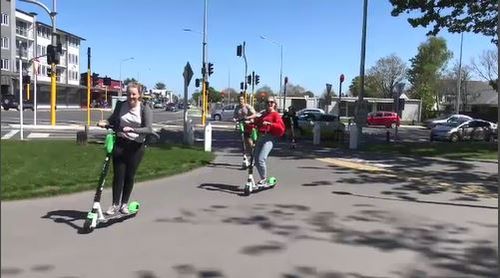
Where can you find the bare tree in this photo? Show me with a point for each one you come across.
(387, 72)
(487, 67)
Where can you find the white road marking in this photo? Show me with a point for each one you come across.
(10, 134)
(38, 135)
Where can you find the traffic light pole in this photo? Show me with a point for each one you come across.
(246, 70)
(88, 86)
(204, 88)
(53, 91)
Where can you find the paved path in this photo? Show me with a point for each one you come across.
(405, 217)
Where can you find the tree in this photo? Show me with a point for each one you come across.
(457, 16)
(160, 86)
(449, 83)
(230, 95)
(370, 87)
(309, 93)
(129, 80)
(294, 90)
(426, 69)
(386, 73)
(487, 67)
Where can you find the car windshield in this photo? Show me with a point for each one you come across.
(452, 124)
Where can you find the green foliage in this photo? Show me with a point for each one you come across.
(456, 16)
(370, 87)
(160, 86)
(426, 69)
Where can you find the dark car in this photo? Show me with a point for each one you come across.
(11, 102)
(171, 107)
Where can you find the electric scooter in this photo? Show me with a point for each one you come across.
(95, 215)
(240, 125)
(250, 185)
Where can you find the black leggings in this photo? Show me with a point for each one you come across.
(126, 159)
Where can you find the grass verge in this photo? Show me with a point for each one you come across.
(47, 168)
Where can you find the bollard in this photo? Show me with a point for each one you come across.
(388, 136)
(82, 136)
(190, 132)
(353, 137)
(316, 134)
(208, 137)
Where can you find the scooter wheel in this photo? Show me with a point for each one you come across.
(246, 191)
(87, 226)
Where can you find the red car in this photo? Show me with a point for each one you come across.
(385, 118)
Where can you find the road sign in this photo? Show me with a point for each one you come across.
(188, 74)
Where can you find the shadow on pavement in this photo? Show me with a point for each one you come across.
(226, 188)
(70, 216)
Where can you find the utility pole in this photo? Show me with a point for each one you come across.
(88, 86)
(459, 80)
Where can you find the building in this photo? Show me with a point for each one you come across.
(29, 42)
(8, 31)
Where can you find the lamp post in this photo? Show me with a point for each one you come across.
(52, 15)
(459, 78)
(121, 62)
(281, 61)
(35, 66)
(204, 70)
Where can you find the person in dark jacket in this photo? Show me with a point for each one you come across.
(132, 121)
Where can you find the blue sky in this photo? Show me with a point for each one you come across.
(321, 39)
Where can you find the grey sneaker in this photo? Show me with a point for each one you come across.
(112, 210)
(124, 209)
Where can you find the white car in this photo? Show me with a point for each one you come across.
(224, 114)
(457, 118)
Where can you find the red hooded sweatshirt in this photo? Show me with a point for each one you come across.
(277, 128)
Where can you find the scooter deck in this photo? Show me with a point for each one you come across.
(116, 217)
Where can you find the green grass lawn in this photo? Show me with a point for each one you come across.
(458, 151)
(48, 168)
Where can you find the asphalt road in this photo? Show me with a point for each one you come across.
(331, 215)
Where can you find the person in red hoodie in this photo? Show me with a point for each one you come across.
(270, 127)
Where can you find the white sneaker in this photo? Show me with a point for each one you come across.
(112, 210)
(262, 182)
(124, 209)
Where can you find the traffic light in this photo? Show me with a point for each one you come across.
(341, 78)
(52, 55)
(197, 82)
(239, 50)
(59, 48)
(95, 79)
(249, 79)
(257, 79)
(241, 86)
(49, 71)
(26, 79)
(210, 69)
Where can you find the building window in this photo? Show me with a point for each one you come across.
(5, 64)
(5, 19)
(5, 43)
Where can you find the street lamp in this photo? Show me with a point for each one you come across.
(204, 71)
(121, 86)
(281, 62)
(52, 15)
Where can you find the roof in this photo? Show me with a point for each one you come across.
(59, 31)
(50, 26)
(483, 97)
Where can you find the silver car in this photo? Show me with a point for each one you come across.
(458, 118)
(469, 130)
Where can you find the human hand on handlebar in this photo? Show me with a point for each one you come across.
(102, 123)
(127, 129)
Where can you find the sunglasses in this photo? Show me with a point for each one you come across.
(270, 102)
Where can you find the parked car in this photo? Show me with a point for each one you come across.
(224, 114)
(310, 110)
(327, 122)
(459, 118)
(171, 107)
(10, 101)
(453, 131)
(385, 118)
(158, 104)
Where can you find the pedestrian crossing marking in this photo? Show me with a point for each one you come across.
(10, 134)
(38, 135)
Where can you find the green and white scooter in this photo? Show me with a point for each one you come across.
(95, 215)
(250, 185)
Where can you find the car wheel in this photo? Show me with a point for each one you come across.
(393, 125)
(454, 138)
(431, 138)
(217, 117)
